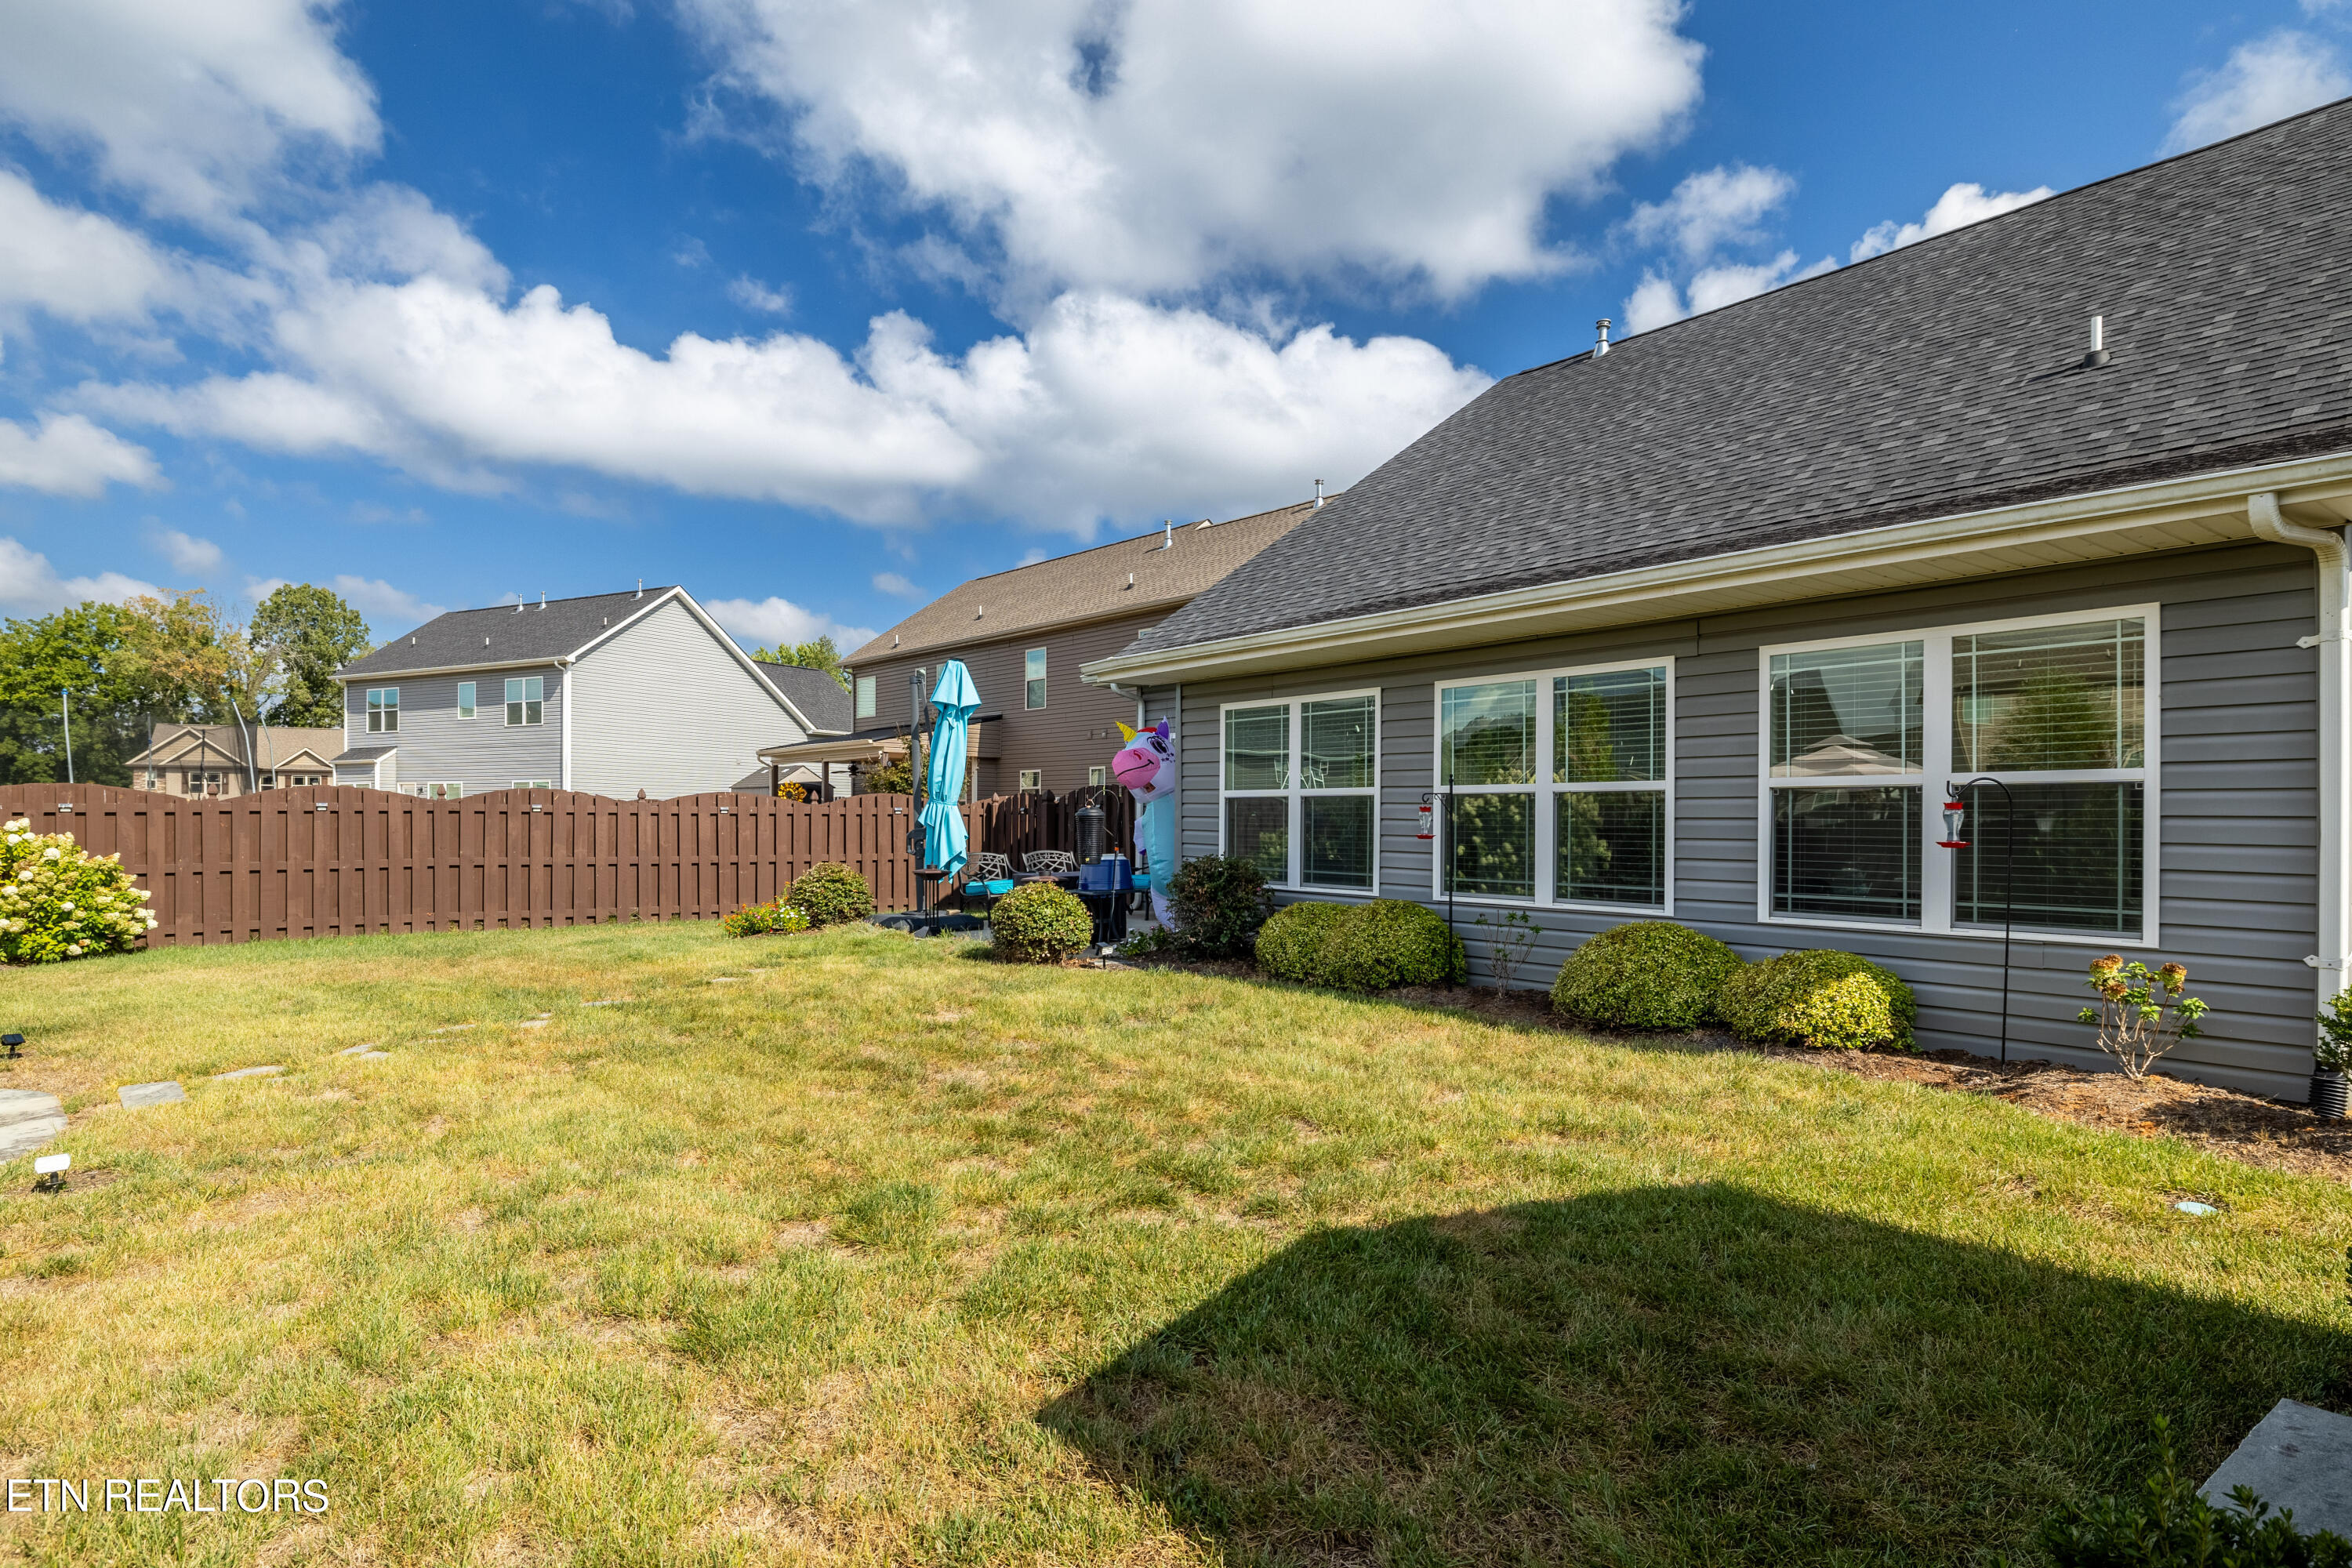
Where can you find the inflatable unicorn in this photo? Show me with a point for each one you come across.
(1147, 767)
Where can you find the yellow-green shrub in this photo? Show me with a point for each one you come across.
(1038, 923)
(57, 901)
(1387, 943)
(1819, 997)
(1647, 975)
(1290, 943)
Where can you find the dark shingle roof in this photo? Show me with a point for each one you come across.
(818, 696)
(456, 641)
(1938, 379)
(1084, 585)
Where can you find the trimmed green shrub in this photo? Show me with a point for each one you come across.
(1389, 943)
(1220, 903)
(776, 918)
(1818, 997)
(1290, 944)
(831, 894)
(1038, 923)
(57, 901)
(2168, 1525)
(1647, 974)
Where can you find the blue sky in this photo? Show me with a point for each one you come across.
(821, 309)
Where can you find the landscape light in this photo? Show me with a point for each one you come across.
(50, 1170)
(15, 1044)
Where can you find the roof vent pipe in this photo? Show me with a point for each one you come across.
(518, 604)
(1167, 533)
(1318, 495)
(641, 587)
(543, 598)
(1601, 339)
(2098, 354)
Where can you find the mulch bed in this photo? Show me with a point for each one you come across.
(2224, 1122)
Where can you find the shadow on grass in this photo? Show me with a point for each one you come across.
(1668, 1375)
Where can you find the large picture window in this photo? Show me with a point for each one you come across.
(1556, 787)
(1862, 734)
(1300, 783)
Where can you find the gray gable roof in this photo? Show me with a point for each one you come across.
(817, 696)
(536, 634)
(1941, 379)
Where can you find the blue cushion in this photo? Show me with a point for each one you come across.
(997, 889)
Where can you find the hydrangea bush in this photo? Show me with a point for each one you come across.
(60, 901)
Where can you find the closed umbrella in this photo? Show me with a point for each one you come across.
(956, 700)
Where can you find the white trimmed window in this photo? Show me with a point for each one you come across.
(530, 783)
(465, 699)
(1033, 778)
(445, 791)
(1098, 776)
(866, 696)
(1033, 679)
(1864, 736)
(383, 709)
(526, 701)
(1557, 787)
(1300, 790)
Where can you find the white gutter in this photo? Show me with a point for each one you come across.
(2327, 544)
(1887, 557)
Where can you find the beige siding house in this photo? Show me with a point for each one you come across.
(210, 758)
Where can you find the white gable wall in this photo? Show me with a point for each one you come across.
(665, 708)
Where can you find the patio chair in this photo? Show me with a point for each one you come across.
(987, 878)
(1050, 863)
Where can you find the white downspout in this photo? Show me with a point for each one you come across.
(2334, 682)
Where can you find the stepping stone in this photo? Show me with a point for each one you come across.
(532, 1024)
(613, 1003)
(2296, 1457)
(137, 1096)
(368, 1046)
(248, 1072)
(452, 1029)
(375, 1056)
(27, 1120)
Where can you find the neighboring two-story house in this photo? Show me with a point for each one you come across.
(1023, 635)
(613, 694)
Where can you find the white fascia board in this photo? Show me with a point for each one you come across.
(395, 677)
(749, 666)
(1805, 569)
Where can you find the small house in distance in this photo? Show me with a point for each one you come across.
(1023, 633)
(210, 758)
(612, 693)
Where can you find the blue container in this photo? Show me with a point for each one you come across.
(1122, 873)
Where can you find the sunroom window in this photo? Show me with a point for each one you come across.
(2058, 714)
(1299, 792)
(1847, 775)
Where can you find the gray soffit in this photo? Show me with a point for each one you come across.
(1941, 379)
(535, 633)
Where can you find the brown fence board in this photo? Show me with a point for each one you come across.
(334, 860)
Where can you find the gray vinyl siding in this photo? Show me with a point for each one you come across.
(2236, 830)
(436, 746)
(666, 708)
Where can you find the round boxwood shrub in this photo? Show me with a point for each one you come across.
(830, 894)
(776, 918)
(1818, 997)
(1038, 923)
(1387, 943)
(57, 901)
(1648, 974)
(1220, 903)
(1290, 944)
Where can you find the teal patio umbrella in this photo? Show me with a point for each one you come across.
(956, 700)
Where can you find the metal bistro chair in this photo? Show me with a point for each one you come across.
(987, 878)
(1050, 863)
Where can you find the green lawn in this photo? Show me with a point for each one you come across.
(887, 1254)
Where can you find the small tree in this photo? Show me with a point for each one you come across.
(1511, 936)
(2334, 1052)
(2141, 1013)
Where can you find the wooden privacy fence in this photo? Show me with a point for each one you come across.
(340, 861)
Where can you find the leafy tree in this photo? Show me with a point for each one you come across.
(308, 633)
(817, 653)
(177, 653)
(83, 650)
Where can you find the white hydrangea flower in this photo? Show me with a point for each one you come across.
(68, 908)
(51, 853)
(25, 875)
(74, 951)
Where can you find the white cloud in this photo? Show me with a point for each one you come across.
(891, 583)
(1958, 207)
(779, 623)
(68, 455)
(1106, 407)
(189, 556)
(1711, 208)
(1655, 301)
(72, 264)
(754, 295)
(194, 107)
(384, 604)
(2266, 78)
(1156, 144)
(29, 585)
